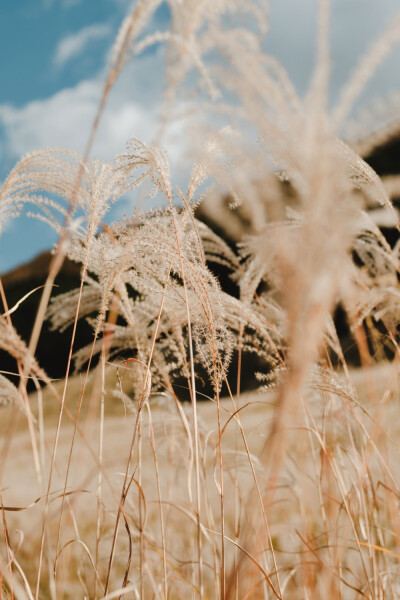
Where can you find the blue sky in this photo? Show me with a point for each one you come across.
(53, 58)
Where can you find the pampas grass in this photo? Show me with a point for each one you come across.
(289, 493)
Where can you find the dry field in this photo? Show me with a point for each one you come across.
(332, 517)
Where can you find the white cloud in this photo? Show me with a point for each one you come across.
(74, 44)
(65, 119)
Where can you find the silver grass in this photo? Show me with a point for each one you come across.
(304, 195)
(9, 394)
(12, 343)
(127, 256)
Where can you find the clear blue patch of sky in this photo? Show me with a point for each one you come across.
(29, 34)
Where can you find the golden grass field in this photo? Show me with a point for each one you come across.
(299, 512)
